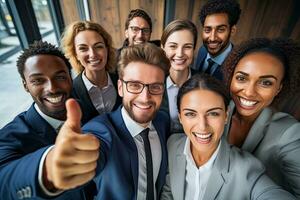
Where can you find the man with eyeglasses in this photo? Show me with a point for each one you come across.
(138, 29)
(132, 161)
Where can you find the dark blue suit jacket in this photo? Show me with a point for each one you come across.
(198, 65)
(117, 170)
(22, 144)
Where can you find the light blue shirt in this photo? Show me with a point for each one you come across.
(218, 59)
(172, 90)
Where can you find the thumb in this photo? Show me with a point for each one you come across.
(73, 115)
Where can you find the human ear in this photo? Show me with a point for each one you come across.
(120, 88)
(25, 85)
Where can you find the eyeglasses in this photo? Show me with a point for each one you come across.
(136, 30)
(136, 87)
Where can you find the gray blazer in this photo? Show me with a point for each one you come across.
(236, 175)
(274, 139)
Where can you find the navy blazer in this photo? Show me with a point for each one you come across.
(117, 170)
(22, 144)
(198, 65)
(81, 94)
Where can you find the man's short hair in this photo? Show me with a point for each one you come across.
(39, 48)
(146, 53)
(138, 13)
(229, 7)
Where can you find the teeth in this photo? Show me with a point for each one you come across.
(93, 62)
(202, 136)
(245, 102)
(179, 61)
(55, 99)
(143, 106)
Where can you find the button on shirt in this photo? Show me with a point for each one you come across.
(104, 98)
(218, 59)
(197, 178)
(172, 90)
(134, 128)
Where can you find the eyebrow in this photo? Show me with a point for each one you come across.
(93, 44)
(215, 108)
(219, 26)
(40, 74)
(265, 76)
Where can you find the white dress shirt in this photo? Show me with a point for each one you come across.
(134, 128)
(104, 98)
(196, 178)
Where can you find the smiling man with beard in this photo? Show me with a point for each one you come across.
(132, 161)
(219, 19)
(45, 74)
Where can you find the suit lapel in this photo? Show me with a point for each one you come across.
(219, 172)
(127, 139)
(256, 133)
(40, 126)
(179, 167)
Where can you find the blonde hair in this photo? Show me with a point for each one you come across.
(67, 44)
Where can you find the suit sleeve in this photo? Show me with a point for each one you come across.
(264, 188)
(289, 157)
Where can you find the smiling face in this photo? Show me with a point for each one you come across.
(141, 107)
(216, 33)
(203, 116)
(256, 81)
(48, 81)
(91, 50)
(179, 49)
(136, 36)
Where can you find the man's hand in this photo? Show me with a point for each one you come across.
(73, 159)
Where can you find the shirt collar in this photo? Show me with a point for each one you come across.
(54, 123)
(220, 58)
(170, 83)
(88, 84)
(187, 152)
(133, 127)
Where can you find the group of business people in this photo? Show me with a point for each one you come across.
(157, 94)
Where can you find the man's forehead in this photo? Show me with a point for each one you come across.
(139, 21)
(216, 19)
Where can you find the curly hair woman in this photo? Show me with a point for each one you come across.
(259, 73)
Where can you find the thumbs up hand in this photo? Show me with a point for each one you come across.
(73, 159)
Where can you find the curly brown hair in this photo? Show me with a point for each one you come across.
(285, 50)
(67, 44)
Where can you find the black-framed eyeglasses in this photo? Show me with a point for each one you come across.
(136, 30)
(136, 87)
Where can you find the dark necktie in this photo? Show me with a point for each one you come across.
(210, 65)
(149, 166)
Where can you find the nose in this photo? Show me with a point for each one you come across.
(139, 34)
(179, 51)
(202, 123)
(212, 36)
(92, 52)
(51, 86)
(249, 90)
(145, 95)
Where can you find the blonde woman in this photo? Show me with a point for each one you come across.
(88, 46)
